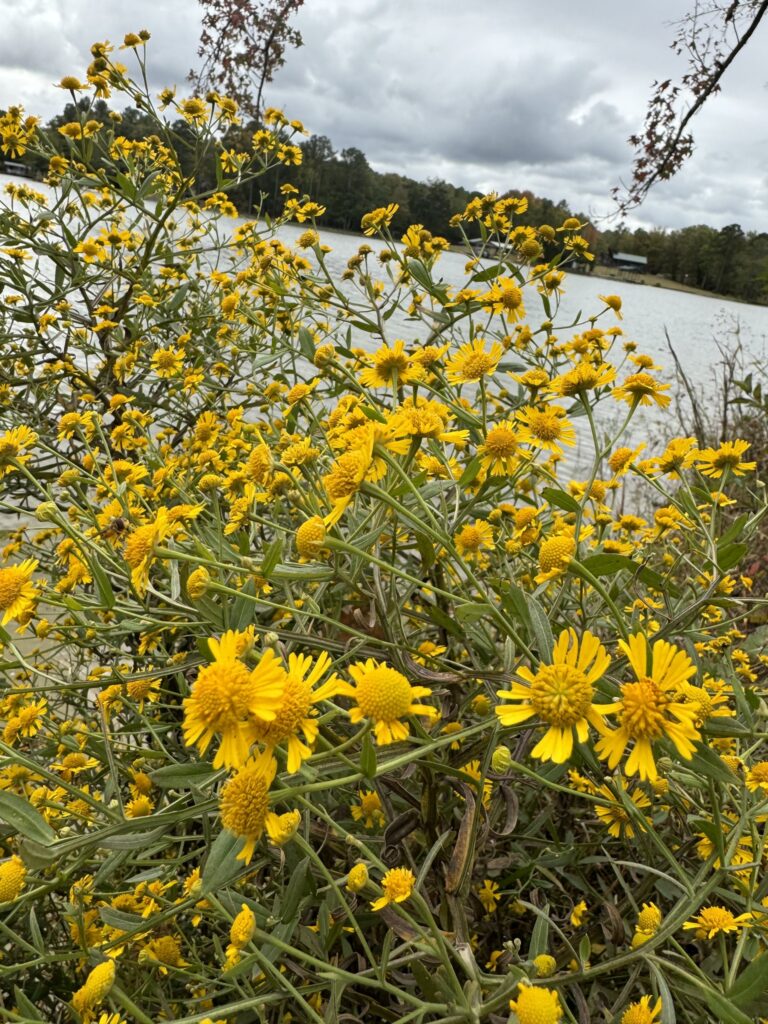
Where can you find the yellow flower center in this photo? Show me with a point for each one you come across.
(383, 694)
(470, 537)
(310, 537)
(759, 774)
(501, 442)
(398, 884)
(139, 545)
(294, 708)
(561, 694)
(245, 802)
(555, 553)
(641, 384)
(643, 713)
(544, 425)
(639, 1013)
(344, 477)
(12, 580)
(389, 361)
(77, 759)
(477, 365)
(221, 694)
(538, 1006)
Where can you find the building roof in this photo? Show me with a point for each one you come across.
(628, 257)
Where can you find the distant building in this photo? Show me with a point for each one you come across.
(627, 261)
(16, 169)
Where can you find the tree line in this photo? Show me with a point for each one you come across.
(728, 260)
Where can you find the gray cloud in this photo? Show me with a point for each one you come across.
(506, 94)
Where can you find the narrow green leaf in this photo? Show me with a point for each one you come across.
(542, 631)
(368, 757)
(221, 865)
(25, 819)
(750, 990)
(560, 499)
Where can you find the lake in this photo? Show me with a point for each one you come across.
(695, 323)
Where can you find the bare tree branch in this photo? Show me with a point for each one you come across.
(242, 45)
(712, 36)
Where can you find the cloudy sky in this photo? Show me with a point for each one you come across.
(507, 95)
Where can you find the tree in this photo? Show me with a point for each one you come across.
(711, 35)
(242, 45)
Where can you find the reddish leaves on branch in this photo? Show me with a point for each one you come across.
(242, 45)
(711, 36)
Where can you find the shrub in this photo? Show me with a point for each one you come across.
(325, 698)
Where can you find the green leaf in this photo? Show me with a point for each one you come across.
(706, 762)
(299, 884)
(306, 344)
(182, 776)
(560, 499)
(470, 472)
(25, 819)
(103, 585)
(729, 555)
(726, 1011)
(272, 553)
(426, 550)
(221, 865)
(24, 1006)
(668, 1015)
(421, 275)
(489, 274)
(122, 920)
(540, 934)
(541, 628)
(368, 757)
(750, 989)
(472, 612)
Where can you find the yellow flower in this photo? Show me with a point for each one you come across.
(243, 927)
(642, 1012)
(197, 582)
(544, 965)
(472, 362)
(140, 548)
(17, 592)
(714, 462)
(650, 709)
(165, 951)
(282, 827)
(536, 1005)
(384, 695)
(294, 712)
(555, 555)
(472, 538)
(488, 895)
(357, 879)
(369, 810)
(579, 914)
(378, 219)
(230, 699)
(679, 454)
(310, 538)
(560, 694)
(615, 816)
(13, 875)
(712, 921)
(757, 777)
(546, 428)
(613, 302)
(500, 452)
(583, 377)
(398, 885)
(13, 448)
(642, 389)
(244, 802)
(390, 365)
(504, 297)
(95, 989)
(345, 477)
